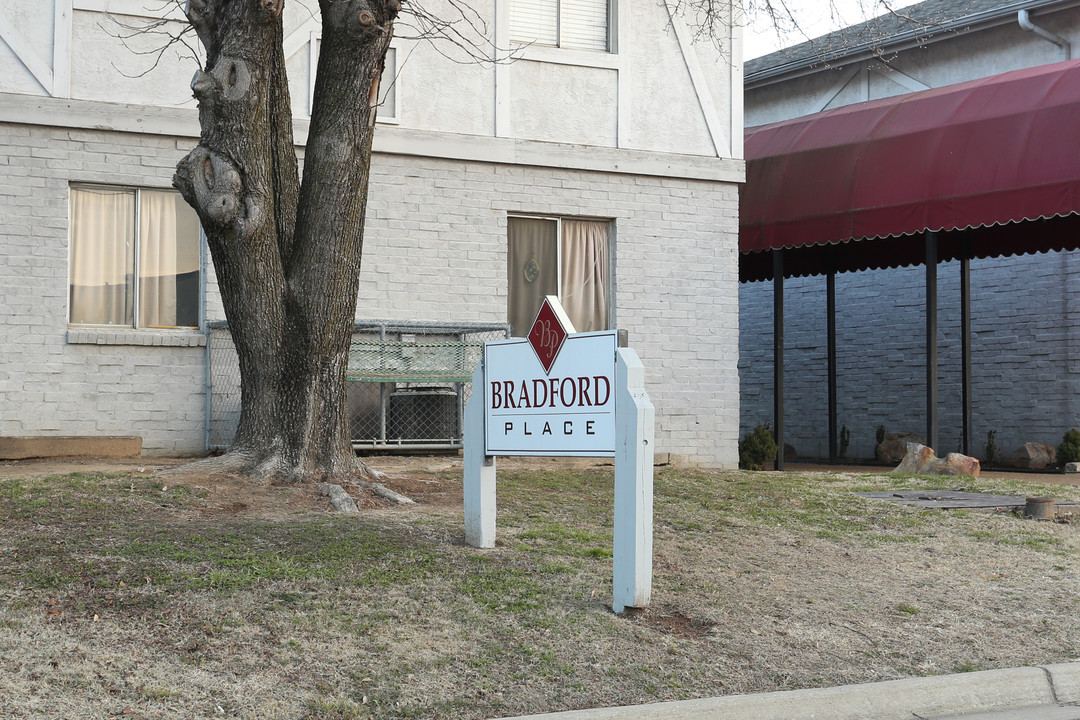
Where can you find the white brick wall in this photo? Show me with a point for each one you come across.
(1025, 354)
(435, 250)
(676, 272)
(86, 384)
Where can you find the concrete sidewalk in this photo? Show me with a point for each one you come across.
(1049, 692)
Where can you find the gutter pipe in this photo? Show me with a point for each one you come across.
(1024, 18)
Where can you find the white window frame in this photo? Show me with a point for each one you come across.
(134, 326)
(583, 57)
(393, 90)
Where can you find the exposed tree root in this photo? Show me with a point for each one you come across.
(271, 468)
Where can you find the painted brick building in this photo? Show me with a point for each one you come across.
(625, 122)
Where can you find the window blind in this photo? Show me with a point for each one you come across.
(575, 24)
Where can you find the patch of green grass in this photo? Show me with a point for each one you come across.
(907, 609)
(154, 693)
(562, 540)
(500, 588)
(334, 709)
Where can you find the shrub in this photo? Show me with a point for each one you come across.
(992, 456)
(757, 448)
(1069, 449)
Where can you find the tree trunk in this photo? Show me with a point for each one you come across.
(286, 254)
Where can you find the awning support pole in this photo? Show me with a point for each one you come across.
(931, 341)
(830, 293)
(965, 343)
(778, 354)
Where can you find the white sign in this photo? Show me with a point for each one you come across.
(555, 393)
(566, 411)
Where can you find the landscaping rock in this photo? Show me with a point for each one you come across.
(1072, 467)
(894, 447)
(921, 460)
(1033, 456)
(339, 498)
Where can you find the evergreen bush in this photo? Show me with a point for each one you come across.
(757, 448)
(1069, 449)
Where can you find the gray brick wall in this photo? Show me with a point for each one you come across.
(1025, 370)
(88, 383)
(435, 249)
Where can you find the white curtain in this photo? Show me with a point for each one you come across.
(157, 259)
(532, 269)
(102, 256)
(585, 285)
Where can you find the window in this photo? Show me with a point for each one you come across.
(135, 258)
(558, 256)
(388, 85)
(577, 24)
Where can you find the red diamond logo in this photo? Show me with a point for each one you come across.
(549, 331)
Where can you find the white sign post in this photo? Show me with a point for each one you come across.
(557, 393)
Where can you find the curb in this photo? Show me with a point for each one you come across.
(940, 695)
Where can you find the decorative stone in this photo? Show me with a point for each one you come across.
(1073, 467)
(1033, 456)
(921, 460)
(963, 464)
(894, 447)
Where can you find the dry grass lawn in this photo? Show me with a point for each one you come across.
(138, 594)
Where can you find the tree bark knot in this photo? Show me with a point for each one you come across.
(228, 80)
(362, 17)
(272, 7)
(212, 183)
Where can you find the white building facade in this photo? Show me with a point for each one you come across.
(620, 123)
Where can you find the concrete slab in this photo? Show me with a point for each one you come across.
(929, 697)
(948, 499)
(1065, 677)
(1039, 712)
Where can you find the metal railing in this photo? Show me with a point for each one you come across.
(408, 383)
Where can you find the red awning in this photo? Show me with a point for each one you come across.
(991, 151)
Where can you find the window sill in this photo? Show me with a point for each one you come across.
(567, 56)
(158, 338)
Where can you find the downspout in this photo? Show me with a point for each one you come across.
(1024, 19)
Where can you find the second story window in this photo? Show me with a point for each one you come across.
(574, 24)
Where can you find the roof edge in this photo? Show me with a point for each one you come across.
(914, 37)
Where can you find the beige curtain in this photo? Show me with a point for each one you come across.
(585, 285)
(168, 260)
(102, 256)
(532, 269)
(157, 259)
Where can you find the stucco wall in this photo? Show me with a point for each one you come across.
(435, 250)
(641, 96)
(1025, 354)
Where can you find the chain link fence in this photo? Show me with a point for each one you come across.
(407, 383)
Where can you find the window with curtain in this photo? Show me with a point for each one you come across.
(566, 257)
(135, 258)
(576, 24)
